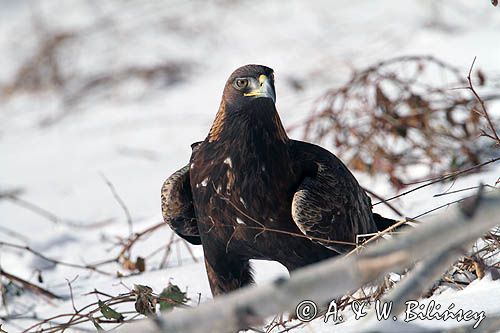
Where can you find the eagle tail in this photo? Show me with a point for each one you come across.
(383, 223)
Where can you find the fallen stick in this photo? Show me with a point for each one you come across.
(421, 278)
(331, 278)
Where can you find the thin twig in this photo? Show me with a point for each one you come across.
(136, 236)
(263, 228)
(462, 190)
(29, 285)
(481, 102)
(437, 208)
(14, 234)
(439, 179)
(54, 261)
(188, 247)
(71, 291)
(378, 235)
(53, 217)
(168, 250)
(394, 209)
(121, 203)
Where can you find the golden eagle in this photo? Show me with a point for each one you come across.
(250, 192)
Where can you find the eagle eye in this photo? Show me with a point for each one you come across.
(241, 83)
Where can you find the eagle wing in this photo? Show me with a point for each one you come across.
(177, 205)
(329, 205)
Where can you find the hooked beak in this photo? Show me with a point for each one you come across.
(265, 89)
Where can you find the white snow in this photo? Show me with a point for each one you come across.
(137, 133)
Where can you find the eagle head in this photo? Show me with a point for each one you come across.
(248, 104)
(249, 83)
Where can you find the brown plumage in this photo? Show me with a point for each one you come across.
(250, 192)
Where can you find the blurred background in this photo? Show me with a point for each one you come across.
(94, 93)
(124, 87)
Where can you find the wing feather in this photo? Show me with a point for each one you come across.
(177, 206)
(329, 203)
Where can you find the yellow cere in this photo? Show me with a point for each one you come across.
(262, 78)
(257, 92)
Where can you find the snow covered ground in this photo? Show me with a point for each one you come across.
(137, 132)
